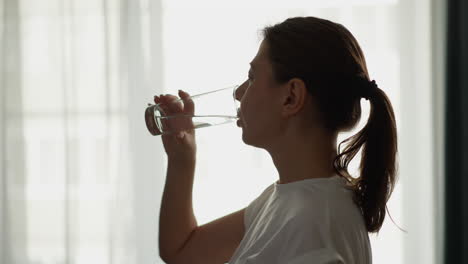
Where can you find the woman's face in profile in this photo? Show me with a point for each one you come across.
(259, 111)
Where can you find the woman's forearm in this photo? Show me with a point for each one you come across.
(177, 220)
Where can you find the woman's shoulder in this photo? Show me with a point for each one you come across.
(318, 201)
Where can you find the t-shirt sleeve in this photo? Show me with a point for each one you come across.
(318, 256)
(294, 244)
(252, 209)
(308, 239)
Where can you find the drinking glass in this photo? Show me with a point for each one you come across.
(202, 110)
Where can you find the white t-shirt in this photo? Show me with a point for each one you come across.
(312, 221)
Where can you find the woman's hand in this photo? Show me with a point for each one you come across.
(180, 146)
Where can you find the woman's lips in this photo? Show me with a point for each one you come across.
(239, 122)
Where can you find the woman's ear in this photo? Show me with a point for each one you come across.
(295, 97)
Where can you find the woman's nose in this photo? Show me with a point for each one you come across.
(240, 91)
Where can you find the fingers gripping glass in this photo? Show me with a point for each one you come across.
(202, 110)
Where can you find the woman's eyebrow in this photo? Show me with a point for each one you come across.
(252, 66)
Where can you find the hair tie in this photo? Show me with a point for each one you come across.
(368, 89)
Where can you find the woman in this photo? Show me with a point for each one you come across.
(303, 88)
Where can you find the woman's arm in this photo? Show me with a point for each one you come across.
(180, 239)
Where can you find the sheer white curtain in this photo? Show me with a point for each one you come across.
(81, 178)
(78, 181)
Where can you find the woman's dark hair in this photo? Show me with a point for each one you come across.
(327, 57)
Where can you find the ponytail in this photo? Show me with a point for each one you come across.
(377, 169)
